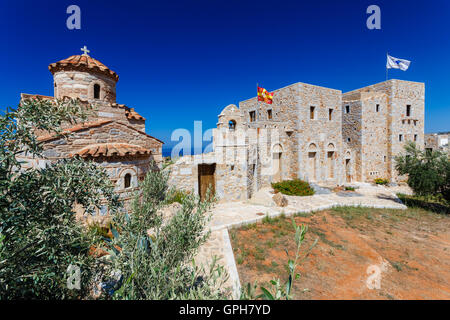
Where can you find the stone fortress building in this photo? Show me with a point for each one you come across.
(309, 132)
(114, 135)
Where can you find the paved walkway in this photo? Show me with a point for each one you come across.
(234, 214)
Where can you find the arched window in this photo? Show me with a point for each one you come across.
(96, 91)
(232, 125)
(127, 181)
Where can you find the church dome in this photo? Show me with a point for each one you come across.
(83, 77)
(82, 63)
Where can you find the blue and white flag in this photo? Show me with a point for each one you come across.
(395, 63)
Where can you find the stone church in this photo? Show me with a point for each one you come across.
(114, 135)
(309, 132)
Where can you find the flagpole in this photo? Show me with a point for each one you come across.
(257, 102)
(387, 70)
(257, 139)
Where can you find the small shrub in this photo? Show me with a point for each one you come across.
(295, 187)
(381, 181)
(269, 220)
(177, 196)
(349, 189)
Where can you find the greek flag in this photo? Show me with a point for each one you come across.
(395, 63)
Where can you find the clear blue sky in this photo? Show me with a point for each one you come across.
(181, 61)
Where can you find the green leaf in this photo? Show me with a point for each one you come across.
(267, 294)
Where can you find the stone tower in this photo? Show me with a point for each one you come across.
(83, 77)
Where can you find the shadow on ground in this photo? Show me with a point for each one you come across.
(423, 204)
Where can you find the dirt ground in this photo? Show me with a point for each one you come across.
(360, 254)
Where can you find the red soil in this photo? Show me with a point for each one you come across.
(410, 250)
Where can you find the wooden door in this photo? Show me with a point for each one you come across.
(330, 164)
(312, 166)
(206, 179)
(348, 176)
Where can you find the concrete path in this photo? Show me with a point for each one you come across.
(234, 214)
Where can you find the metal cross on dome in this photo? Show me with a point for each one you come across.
(85, 51)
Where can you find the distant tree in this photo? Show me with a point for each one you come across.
(428, 171)
(39, 237)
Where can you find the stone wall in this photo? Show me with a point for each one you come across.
(352, 133)
(297, 133)
(393, 128)
(320, 135)
(318, 140)
(112, 132)
(366, 127)
(230, 179)
(80, 84)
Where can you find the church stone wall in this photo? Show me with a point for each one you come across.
(80, 84)
(109, 133)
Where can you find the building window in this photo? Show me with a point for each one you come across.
(252, 116)
(348, 139)
(232, 125)
(96, 91)
(384, 158)
(127, 181)
(400, 137)
(377, 108)
(415, 137)
(269, 114)
(330, 114)
(311, 113)
(347, 109)
(408, 110)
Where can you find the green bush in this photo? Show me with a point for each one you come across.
(295, 187)
(428, 172)
(39, 237)
(381, 181)
(176, 196)
(155, 256)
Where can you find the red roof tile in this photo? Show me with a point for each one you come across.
(82, 62)
(78, 127)
(112, 149)
(131, 114)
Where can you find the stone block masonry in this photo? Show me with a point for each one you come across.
(312, 133)
(113, 136)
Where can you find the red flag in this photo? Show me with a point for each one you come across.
(264, 95)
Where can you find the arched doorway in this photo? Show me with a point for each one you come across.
(348, 167)
(312, 159)
(277, 152)
(331, 156)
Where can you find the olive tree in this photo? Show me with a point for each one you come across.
(39, 237)
(428, 171)
(154, 253)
